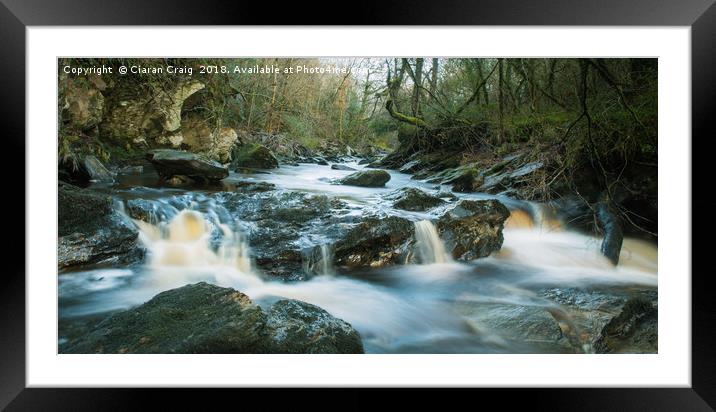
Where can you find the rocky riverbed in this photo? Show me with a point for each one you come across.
(184, 255)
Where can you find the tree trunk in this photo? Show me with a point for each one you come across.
(484, 84)
(418, 82)
(269, 115)
(434, 77)
(501, 100)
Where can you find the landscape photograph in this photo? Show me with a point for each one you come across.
(357, 205)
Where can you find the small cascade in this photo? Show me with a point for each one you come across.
(186, 240)
(429, 246)
(319, 261)
(534, 216)
(325, 264)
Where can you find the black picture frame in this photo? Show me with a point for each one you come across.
(15, 15)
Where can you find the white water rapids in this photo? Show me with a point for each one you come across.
(506, 303)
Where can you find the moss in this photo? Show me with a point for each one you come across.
(254, 156)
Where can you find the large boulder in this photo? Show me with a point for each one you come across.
(473, 228)
(204, 318)
(282, 227)
(375, 242)
(634, 330)
(200, 137)
(91, 231)
(169, 163)
(413, 199)
(367, 178)
(253, 156)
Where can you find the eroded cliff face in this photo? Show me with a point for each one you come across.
(139, 114)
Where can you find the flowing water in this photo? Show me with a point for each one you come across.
(547, 290)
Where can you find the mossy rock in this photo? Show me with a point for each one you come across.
(204, 318)
(253, 156)
(169, 163)
(367, 178)
(413, 199)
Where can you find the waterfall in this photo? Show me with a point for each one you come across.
(429, 246)
(186, 240)
(325, 267)
(319, 261)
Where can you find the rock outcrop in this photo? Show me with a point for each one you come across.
(204, 318)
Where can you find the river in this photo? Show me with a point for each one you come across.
(547, 291)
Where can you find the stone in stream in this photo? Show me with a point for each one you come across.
(634, 330)
(413, 199)
(204, 318)
(253, 156)
(473, 228)
(342, 167)
(375, 242)
(91, 231)
(367, 178)
(280, 225)
(170, 163)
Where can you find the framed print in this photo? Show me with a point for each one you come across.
(384, 206)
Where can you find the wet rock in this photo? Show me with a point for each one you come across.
(299, 327)
(342, 167)
(467, 181)
(465, 178)
(375, 242)
(320, 161)
(498, 178)
(246, 186)
(281, 224)
(367, 178)
(253, 156)
(150, 211)
(473, 228)
(414, 200)
(526, 169)
(169, 163)
(634, 330)
(204, 318)
(411, 166)
(520, 324)
(91, 231)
